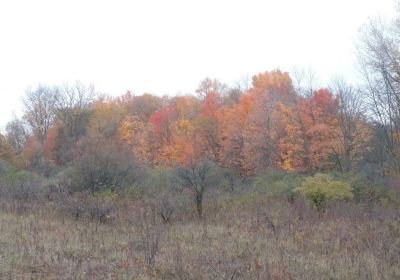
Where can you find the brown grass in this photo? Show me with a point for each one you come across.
(252, 239)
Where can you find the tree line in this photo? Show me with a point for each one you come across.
(279, 122)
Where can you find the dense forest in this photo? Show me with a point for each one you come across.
(274, 179)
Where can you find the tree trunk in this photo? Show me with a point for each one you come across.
(199, 204)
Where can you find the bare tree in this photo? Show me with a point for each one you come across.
(17, 134)
(379, 57)
(198, 177)
(40, 109)
(210, 85)
(351, 118)
(78, 96)
(72, 103)
(305, 82)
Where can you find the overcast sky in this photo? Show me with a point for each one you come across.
(167, 47)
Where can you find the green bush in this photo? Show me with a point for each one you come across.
(276, 183)
(19, 184)
(321, 188)
(370, 190)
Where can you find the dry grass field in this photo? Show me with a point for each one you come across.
(260, 238)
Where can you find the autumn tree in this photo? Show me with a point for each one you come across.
(291, 148)
(208, 128)
(270, 90)
(235, 129)
(141, 107)
(173, 129)
(106, 115)
(161, 123)
(32, 157)
(130, 130)
(271, 124)
(161, 132)
(322, 128)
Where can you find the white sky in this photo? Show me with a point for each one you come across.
(168, 47)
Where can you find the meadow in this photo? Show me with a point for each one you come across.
(252, 234)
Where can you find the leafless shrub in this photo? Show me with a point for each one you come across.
(165, 209)
(148, 243)
(83, 207)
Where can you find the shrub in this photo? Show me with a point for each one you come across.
(19, 184)
(371, 189)
(321, 187)
(104, 165)
(275, 183)
(162, 194)
(229, 181)
(93, 208)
